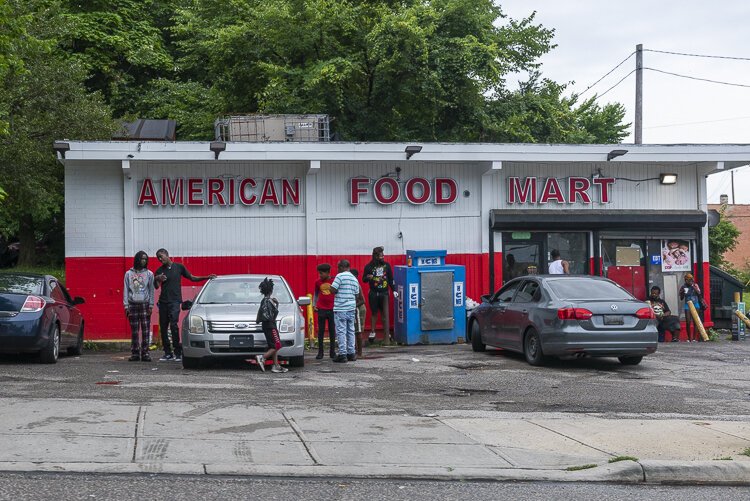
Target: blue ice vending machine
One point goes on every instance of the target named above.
(431, 304)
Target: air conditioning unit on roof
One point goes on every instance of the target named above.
(269, 128)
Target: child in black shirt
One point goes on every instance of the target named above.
(269, 309)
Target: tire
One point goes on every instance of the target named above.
(532, 348)
(297, 361)
(77, 350)
(630, 360)
(51, 352)
(191, 362)
(476, 337)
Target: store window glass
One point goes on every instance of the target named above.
(573, 248)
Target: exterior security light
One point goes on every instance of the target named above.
(217, 147)
(61, 147)
(412, 149)
(667, 178)
(615, 153)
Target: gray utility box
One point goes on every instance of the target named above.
(273, 128)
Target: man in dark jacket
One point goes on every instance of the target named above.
(168, 277)
(667, 321)
(379, 275)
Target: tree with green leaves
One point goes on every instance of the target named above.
(722, 238)
(47, 100)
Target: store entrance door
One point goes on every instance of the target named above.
(523, 254)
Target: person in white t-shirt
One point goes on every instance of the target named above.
(557, 266)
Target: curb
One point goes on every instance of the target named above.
(696, 472)
(624, 472)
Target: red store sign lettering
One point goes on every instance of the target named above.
(417, 190)
(571, 190)
(219, 191)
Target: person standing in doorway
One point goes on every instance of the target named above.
(690, 292)
(558, 266)
(345, 287)
(168, 277)
(138, 299)
(379, 275)
(323, 301)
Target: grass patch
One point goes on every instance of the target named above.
(90, 346)
(713, 335)
(56, 271)
(580, 467)
(746, 452)
(623, 458)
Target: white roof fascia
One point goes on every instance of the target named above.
(731, 154)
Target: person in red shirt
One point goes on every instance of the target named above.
(323, 304)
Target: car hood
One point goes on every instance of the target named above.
(247, 312)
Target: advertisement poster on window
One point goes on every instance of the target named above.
(675, 256)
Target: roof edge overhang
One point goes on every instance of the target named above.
(732, 155)
(594, 219)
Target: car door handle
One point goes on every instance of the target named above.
(525, 310)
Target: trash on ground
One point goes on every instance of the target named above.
(415, 360)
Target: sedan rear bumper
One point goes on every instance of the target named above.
(22, 335)
(576, 341)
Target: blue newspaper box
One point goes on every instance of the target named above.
(431, 304)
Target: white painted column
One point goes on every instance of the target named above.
(128, 192)
(311, 208)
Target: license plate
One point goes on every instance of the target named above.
(613, 320)
(240, 341)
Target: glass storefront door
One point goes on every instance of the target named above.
(528, 253)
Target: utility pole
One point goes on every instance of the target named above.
(639, 94)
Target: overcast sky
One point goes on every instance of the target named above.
(592, 37)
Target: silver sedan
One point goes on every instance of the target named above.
(221, 321)
(564, 316)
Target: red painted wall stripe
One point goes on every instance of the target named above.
(99, 280)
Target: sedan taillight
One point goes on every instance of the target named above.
(645, 314)
(574, 314)
(33, 304)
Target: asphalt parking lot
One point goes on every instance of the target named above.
(700, 379)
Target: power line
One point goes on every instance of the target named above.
(697, 55)
(615, 85)
(607, 74)
(697, 78)
(697, 123)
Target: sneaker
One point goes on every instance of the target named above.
(351, 357)
(146, 358)
(371, 337)
(279, 369)
(177, 358)
(319, 355)
(167, 358)
(341, 359)
(134, 358)
(261, 362)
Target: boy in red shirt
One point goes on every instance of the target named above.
(323, 304)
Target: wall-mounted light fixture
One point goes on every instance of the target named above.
(667, 178)
(411, 150)
(217, 147)
(615, 153)
(61, 147)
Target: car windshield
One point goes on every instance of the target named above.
(20, 284)
(241, 290)
(585, 288)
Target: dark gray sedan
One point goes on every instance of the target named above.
(564, 316)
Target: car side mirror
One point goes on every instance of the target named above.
(304, 301)
(486, 298)
(186, 305)
(78, 300)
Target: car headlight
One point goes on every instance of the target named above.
(196, 325)
(287, 324)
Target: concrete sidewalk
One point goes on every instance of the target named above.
(245, 439)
